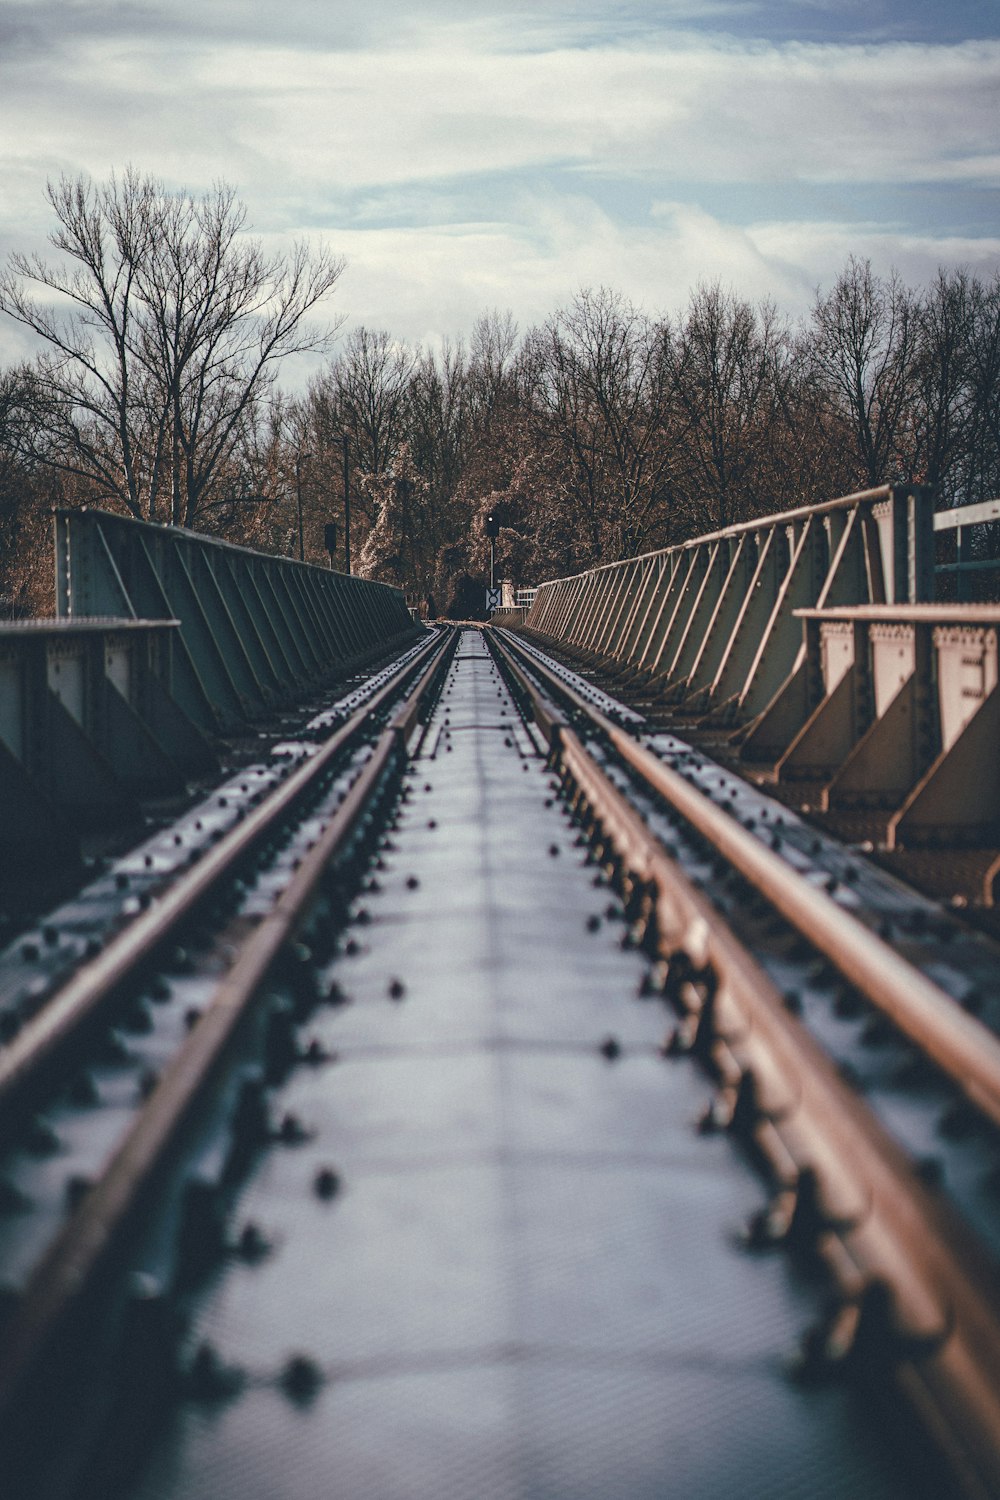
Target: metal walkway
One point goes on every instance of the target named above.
(502, 1262)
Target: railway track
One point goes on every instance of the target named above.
(847, 1179)
(135, 1039)
(360, 1145)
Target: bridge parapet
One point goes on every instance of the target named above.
(712, 622)
(256, 631)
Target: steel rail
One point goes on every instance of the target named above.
(86, 1240)
(965, 1050)
(874, 1223)
(76, 1001)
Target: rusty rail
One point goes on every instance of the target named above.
(965, 1050)
(913, 1280)
(69, 1009)
(89, 1235)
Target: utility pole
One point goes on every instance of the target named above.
(347, 507)
(300, 459)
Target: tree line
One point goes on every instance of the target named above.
(164, 327)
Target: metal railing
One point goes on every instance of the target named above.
(256, 631)
(712, 620)
(973, 573)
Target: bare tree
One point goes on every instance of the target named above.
(164, 325)
(734, 372)
(605, 386)
(493, 361)
(370, 380)
(863, 348)
(26, 495)
(941, 406)
(981, 464)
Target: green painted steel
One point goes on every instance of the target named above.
(87, 727)
(256, 632)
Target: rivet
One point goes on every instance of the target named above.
(397, 989)
(137, 1019)
(301, 1378)
(291, 1131)
(553, 850)
(326, 1183)
(593, 922)
(113, 1048)
(252, 1245)
(209, 1379)
(412, 882)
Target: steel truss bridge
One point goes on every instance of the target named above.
(559, 1059)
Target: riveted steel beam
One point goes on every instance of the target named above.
(255, 631)
(905, 718)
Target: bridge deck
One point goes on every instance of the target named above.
(528, 1282)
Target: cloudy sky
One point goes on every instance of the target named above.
(464, 156)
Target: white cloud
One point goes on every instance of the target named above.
(465, 164)
(428, 282)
